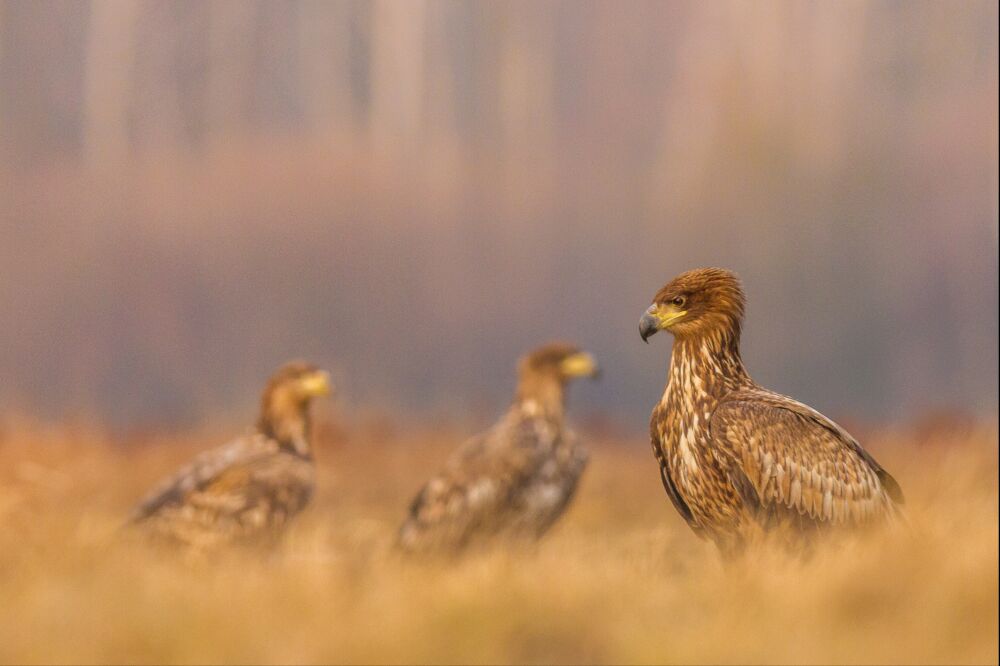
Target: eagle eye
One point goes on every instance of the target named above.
(679, 301)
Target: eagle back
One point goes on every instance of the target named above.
(516, 472)
(793, 457)
(252, 473)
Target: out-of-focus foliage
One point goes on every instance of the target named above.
(191, 192)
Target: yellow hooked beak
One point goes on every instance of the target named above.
(316, 385)
(658, 317)
(580, 364)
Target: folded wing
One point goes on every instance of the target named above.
(784, 454)
(482, 489)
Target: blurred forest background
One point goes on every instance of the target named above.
(414, 192)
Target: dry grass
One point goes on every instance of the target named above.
(620, 580)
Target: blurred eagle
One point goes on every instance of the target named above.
(736, 459)
(515, 479)
(250, 488)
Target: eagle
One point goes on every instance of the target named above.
(514, 480)
(741, 463)
(247, 490)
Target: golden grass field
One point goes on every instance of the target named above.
(620, 580)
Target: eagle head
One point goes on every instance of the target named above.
(560, 360)
(703, 301)
(285, 403)
(297, 382)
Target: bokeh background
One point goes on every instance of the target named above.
(414, 192)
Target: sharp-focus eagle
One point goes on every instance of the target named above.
(515, 479)
(250, 488)
(736, 459)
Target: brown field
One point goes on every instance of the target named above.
(620, 580)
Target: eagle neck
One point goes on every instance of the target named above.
(705, 368)
(286, 422)
(539, 394)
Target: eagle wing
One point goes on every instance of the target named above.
(222, 481)
(477, 486)
(665, 476)
(785, 454)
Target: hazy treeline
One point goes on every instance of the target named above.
(414, 191)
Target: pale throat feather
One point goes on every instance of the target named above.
(702, 371)
(540, 394)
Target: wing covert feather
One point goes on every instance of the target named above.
(797, 458)
(478, 482)
(205, 469)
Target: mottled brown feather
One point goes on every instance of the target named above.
(740, 459)
(245, 490)
(512, 481)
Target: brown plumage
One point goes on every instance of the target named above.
(251, 487)
(736, 459)
(515, 479)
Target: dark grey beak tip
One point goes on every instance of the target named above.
(648, 326)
